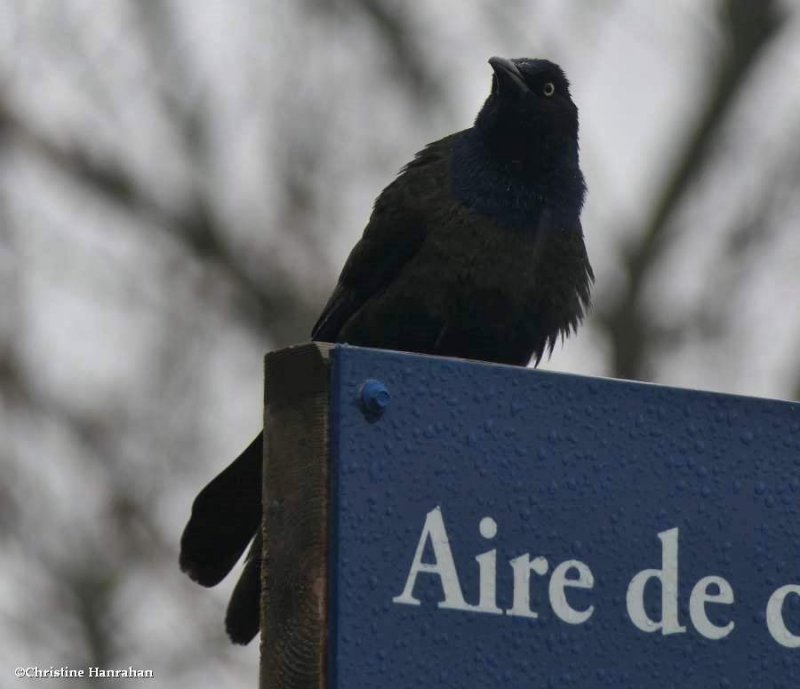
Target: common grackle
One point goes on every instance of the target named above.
(475, 250)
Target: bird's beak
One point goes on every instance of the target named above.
(508, 75)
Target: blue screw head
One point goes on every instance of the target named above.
(374, 398)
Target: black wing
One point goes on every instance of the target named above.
(396, 230)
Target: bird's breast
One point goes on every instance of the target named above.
(488, 273)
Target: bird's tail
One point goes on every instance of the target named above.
(225, 516)
(242, 620)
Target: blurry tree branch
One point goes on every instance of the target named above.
(160, 33)
(748, 28)
(274, 297)
(746, 240)
(398, 33)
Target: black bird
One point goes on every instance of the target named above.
(475, 250)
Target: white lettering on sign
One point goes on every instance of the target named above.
(523, 566)
(667, 577)
(558, 596)
(775, 622)
(526, 571)
(697, 606)
(434, 532)
(487, 564)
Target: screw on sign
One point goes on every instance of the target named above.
(374, 398)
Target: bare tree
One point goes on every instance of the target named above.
(179, 184)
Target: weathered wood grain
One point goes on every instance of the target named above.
(295, 522)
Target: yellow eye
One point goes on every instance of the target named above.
(549, 89)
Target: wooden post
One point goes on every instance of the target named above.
(294, 572)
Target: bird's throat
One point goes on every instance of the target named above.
(511, 184)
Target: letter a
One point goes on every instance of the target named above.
(443, 567)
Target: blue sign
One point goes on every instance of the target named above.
(504, 527)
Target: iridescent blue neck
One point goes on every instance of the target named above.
(511, 191)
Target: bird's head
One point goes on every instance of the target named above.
(529, 112)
